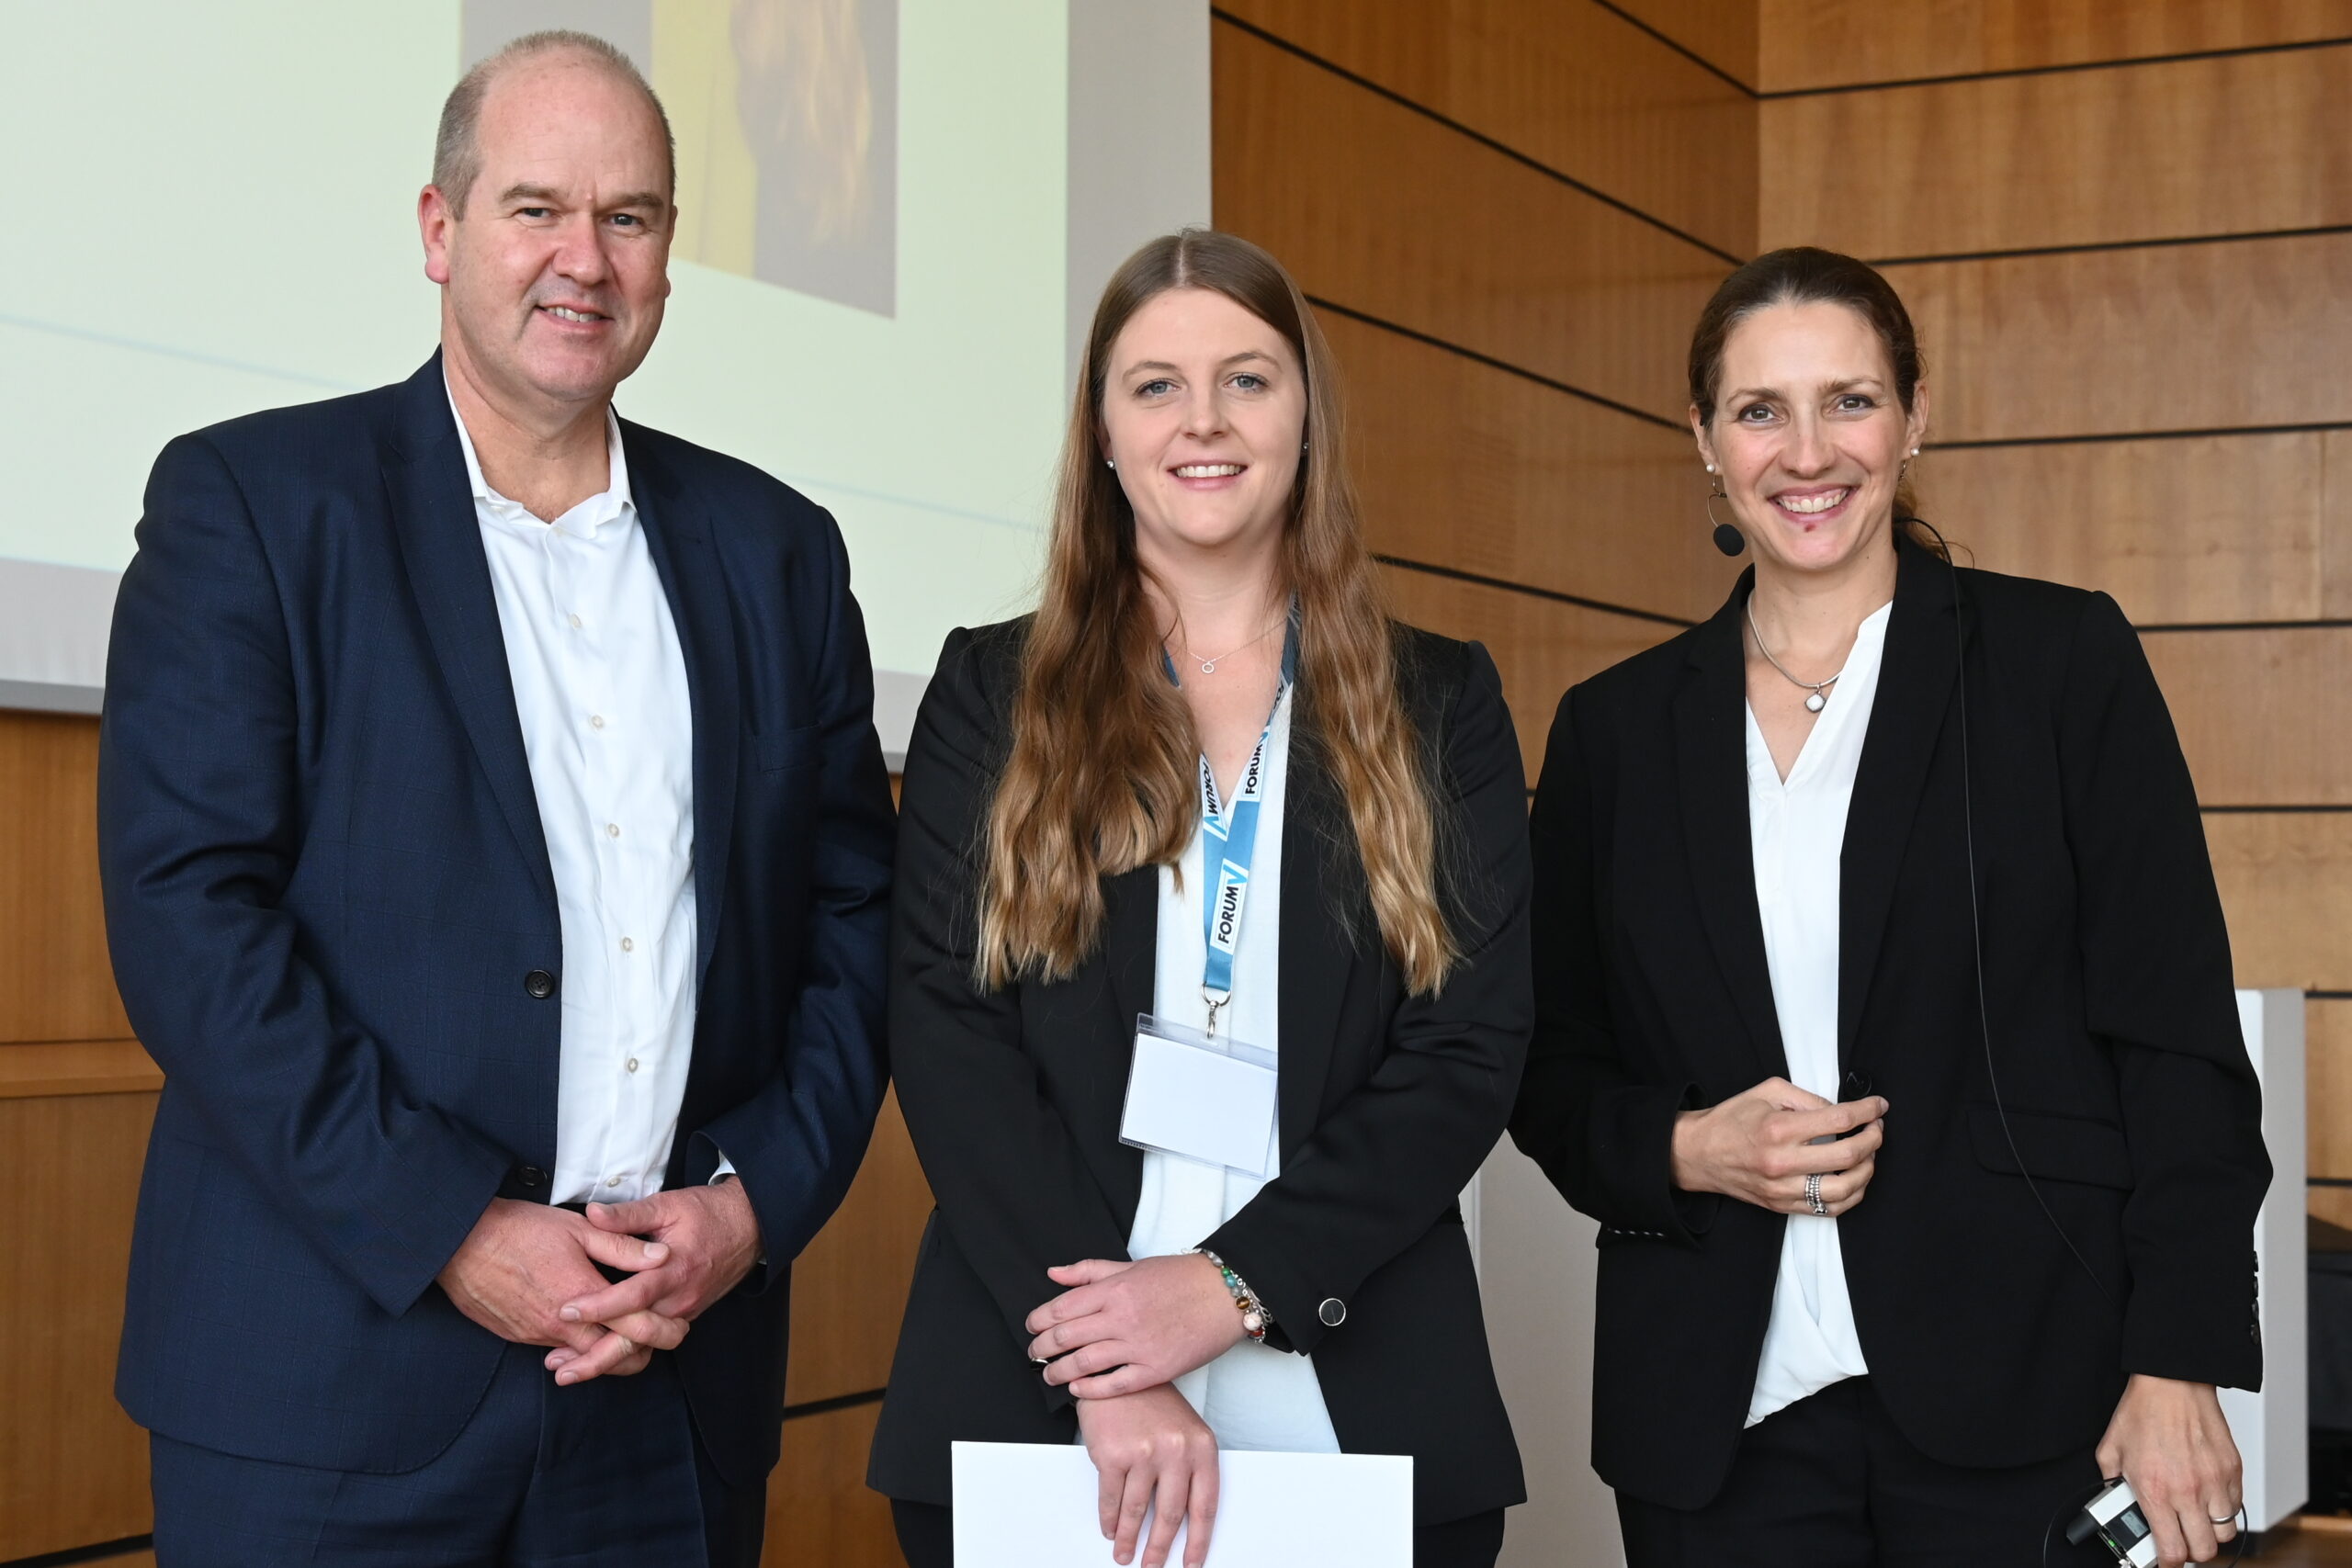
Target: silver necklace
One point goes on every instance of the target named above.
(1208, 666)
(1816, 696)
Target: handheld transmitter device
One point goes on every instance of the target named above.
(2113, 1519)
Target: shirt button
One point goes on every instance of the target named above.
(627, 945)
(597, 721)
(612, 830)
(611, 1181)
(632, 1064)
(575, 621)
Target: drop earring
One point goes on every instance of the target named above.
(1728, 539)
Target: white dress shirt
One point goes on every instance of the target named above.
(1798, 829)
(1251, 1397)
(600, 687)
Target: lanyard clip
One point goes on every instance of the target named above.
(1215, 1004)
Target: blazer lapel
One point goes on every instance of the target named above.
(1914, 686)
(440, 543)
(677, 535)
(1711, 765)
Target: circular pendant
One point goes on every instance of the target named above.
(1816, 703)
(1208, 666)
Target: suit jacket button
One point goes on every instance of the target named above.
(530, 1176)
(1332, 1312)
(539, 983)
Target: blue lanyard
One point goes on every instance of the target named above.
(1229, 831)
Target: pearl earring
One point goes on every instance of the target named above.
(1110, 464)
(1711, 468)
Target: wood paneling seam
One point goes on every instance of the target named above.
(2161, 242)
(1685, 50)
(1488, 360)
(1979, 443)
(97, 1553)
(2069, 68)
(815, 1407)
(1480, 137)
(2169, 627)
(1555, 595)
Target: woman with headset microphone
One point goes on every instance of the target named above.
(1884, 1016)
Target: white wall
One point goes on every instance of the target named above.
(1535, 1267)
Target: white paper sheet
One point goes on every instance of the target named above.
(1215, 1109)
(1032, 1505)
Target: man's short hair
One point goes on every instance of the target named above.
(456, 149)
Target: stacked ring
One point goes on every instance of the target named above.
(1812, 1196)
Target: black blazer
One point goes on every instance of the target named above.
(333, 922)
(1387, 1102)
(2107, 977)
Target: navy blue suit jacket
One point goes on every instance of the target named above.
(327, 890)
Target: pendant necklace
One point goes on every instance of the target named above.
(1208, 666)
(1816, 696)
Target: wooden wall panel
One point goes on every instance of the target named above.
(1389, 213)
(2226, 528)
(73, 1468)
(1540, 646)
(2335, 525)
(819, 1511)
(2174, 338)
(55, 980)
(850, 1287)
(1820, 43)
(2264, 714)
(1466, 466)
(2231, 144)
(1723, 33)
(1575, 86)
(2328, 1056)
(2286, 883)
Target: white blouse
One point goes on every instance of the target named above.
(1251, 1397)
(1798, 830)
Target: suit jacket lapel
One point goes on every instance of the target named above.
(685, 556)
(1915, 687)
(440, 543)
(1711, 765)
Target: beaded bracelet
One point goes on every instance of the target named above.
(1255, 1319)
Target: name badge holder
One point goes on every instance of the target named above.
(1203, 1094)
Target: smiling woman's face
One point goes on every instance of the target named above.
(1809, 435)
(1204, 410)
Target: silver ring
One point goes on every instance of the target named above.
(2224, 1519)
(1812, 1196)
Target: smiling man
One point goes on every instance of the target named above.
(496, 848)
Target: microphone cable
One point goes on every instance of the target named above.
(1976, 916)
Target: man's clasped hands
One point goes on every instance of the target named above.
(529, 1274)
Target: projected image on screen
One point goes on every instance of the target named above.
(786, 118)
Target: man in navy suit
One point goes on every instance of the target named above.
(496, 849)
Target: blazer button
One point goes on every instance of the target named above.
(539, 983)
(1333, 1312)
(530, 1176)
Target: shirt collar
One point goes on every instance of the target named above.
(611, 505)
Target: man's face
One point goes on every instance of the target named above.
(555, 272)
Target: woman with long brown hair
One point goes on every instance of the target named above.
(1207, 813)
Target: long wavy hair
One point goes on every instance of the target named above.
(1103, 775)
